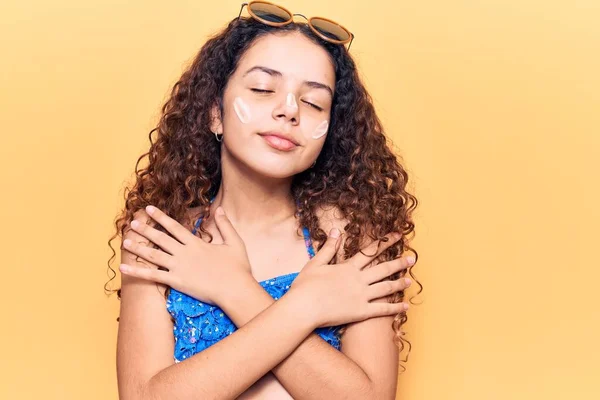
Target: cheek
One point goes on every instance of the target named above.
(249, 113)
(242, 110)
(320, 130)
(312, 146)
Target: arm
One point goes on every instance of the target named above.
(139, 370)
(241, 356)
(315, 370)
(145, 345)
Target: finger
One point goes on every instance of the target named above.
(157, 237)
(340, 253)
(385, 269)
(149, 274)
(374, 249)
(329, 249)
(228, 232)
(155, 256)
(173, 227)
(387, 288)
(129, 233)
(385, 309)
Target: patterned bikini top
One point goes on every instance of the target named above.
(199, 325)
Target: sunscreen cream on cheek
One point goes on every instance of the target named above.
(242, 110)
(321, 130)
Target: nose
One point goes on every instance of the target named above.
(287, 109)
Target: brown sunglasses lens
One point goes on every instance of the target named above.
(330, 29)
(269, 12)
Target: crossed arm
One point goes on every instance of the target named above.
(303, 363)
(366, 368)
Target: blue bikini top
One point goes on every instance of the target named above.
(198, 325)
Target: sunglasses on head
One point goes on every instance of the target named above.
(274, 15)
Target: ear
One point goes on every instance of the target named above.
(216, 124)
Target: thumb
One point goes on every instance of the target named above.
(329, 249)
(228, 232)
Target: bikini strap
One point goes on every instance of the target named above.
(308, 242)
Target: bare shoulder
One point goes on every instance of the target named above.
(145, 342)
(330, 216)
(132, 259)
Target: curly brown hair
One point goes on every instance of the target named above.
(356, 171)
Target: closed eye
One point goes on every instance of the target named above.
(261, 90)
(264, 91)
(314, 106)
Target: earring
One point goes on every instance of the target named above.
(217, 136)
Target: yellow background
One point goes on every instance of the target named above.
(494, 104)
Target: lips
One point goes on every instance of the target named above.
(279, 141)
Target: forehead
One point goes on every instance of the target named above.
(292, 54)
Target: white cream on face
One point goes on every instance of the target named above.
(290, 101)
(321, 130)
(242, 110)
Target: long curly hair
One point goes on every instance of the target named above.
(356, 171)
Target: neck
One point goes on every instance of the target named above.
(251, 200)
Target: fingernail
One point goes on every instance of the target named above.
(405, 306)
(220, 211)
(150, 209)
(126, 242)
(135, 224)
(407, 282)
(123, 268)
(410, 260)
(334, 233)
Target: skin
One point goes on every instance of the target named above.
(266, 96)
(321, 130)
(255, 195)
(242, 110)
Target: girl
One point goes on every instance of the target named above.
(271, 217)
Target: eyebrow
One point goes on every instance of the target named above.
(272, 72)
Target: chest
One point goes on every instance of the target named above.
(271, 256)
(279, 252)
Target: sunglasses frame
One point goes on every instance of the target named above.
(291, 20)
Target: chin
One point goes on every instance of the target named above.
(275, 166)
(276, 170)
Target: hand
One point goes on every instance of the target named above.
(194, 267)
(343, 293)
